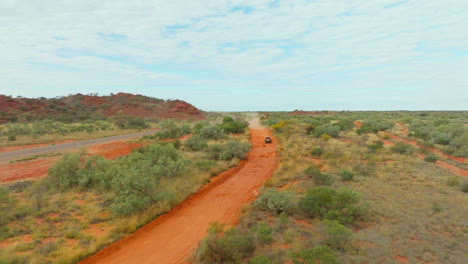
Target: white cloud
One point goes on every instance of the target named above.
(296, 48)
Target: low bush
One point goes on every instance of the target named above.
(196, 143)
(332, 130)
(336, 235)
(261, 259)
(402, 148)
(263, 234)
(343, 206)
(318, 177)
(232, 149)
(320, 254)
(365, 168)
(231, 126)
(211, 132)
(230, 247)
(430, 158)
(346, 175)
(275, 201)
(374, 126)
(464, 186)
(316, 152)
(453, 181)
(378, 144)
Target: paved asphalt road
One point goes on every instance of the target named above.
(13, 155)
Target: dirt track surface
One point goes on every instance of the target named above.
(13, 155)
(172, 237)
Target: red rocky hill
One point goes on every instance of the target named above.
(79, 107)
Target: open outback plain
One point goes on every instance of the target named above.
(201, 187)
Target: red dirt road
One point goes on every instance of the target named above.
(172, 237)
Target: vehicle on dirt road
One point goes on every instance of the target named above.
(268, 139)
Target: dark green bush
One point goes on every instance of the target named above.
(430, 158)
(211, 132)
(374, 126)
(378, 144)
(275, 201)
(336, 235)
(346, 175)
(345, 124)
(230, 247)
(316, 152)
(343, 206)
(232, 126)
(329, 129)
(318, 177)
(261, 259)
(464, 186)
(320, 254)
(196, 143)
(263, 234)
(228, 151)
(402, 148)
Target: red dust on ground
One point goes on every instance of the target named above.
(401, 259)
(26, 170)
(114, 149)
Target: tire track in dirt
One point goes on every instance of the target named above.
(172, 237)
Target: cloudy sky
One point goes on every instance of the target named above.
(241, 55)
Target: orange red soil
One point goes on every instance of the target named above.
(38, 168)
(114, 149)
(172, 237)
(26, 170)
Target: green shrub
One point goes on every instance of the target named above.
(343, 206)
(263, 234)
(318, 177)
(336, 235)
(228, 151)
(211, 132)
(316, 152)
(464, 186)
(402, 148)
(230, 247)
(232, 126)
(328, 129)
(430, 158)
(378, 144)
(261, 259)
(345, 124)
(364, 168)
(453, 181)
(65, 171)
(346, 175)
(196, 143)
(374, 126)
(320, 254)
(11, 137)
(275, 201)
